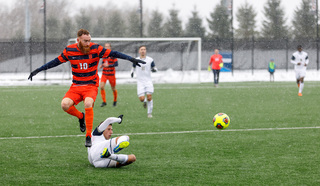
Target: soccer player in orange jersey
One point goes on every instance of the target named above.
(84, 58)
(108, 73)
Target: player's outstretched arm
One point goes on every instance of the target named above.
(120, 55)
(46, 66)
(109, 121)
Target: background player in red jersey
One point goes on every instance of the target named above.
(215, 62)
(84, 58)
(108, 73)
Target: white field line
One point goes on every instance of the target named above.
(174, 132)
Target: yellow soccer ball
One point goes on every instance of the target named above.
(221, 121)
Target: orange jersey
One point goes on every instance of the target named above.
(84, 66)
(215, 61)
(111, 70)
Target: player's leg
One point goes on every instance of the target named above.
(301, 86)
(113, 146)
(141, 94)
(270, 76)
(121, 143)
(70, 99)
(298, 78)
(88, 107)
(89, 94)
(103, 91)
(150, 104)
(112, 82)
(214, 76)
(149, 91)
(117, 144)
(218, 72)
(131, 158)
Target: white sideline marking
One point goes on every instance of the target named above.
(174, 132)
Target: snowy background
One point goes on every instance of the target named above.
(161, 77)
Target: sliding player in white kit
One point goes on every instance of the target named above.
(102, 152)
(144, 81)
(300, 60)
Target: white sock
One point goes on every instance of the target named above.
(107, 122)
(121, 158)
(122, 139)
(145, 99)
(150, 106)
(301, 87)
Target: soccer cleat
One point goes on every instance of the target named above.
(121, 146)
(105, 153)
(144, 104)
(82, 123)
(121, 116)
(88, 142)
(299, 94)
(114, 103)
(103, 104)
(149, 115)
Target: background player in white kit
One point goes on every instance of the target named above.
(300, 60)
(144, 81)
(102, 152)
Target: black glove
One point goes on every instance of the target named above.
(137, 61)
(131, 74)
(154, 69)
(121, 116)
(33, 73)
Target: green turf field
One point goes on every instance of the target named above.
(273, 137)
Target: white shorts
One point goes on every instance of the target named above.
(300, 74)
(144, 88)
(95, 151)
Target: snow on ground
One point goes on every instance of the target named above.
(168, 76)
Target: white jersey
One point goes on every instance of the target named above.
(144, 72)
(300, 57)
(99, 143)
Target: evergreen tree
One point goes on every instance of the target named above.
(247, 23)
(220, 22)
(100, 27)
(304, 21)
(173, 27)
(53, 29)
(67, 29)
(115, 26)
(155, 25)
(133, 24)
(274, 26)
(83, 20)
(194, 26)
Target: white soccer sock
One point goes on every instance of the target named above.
(145, 99)
(301, 87)
(122, 139)
(150, 106)
(107, 122)
(121, 158)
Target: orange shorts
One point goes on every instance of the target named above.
(112, 80)
(79, 93)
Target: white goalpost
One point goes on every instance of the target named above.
(181, 54)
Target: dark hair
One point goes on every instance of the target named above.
(142, 46)
(83, 32)
(299, 47)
